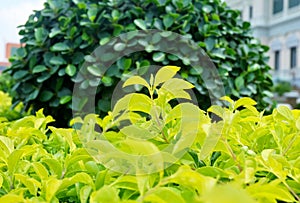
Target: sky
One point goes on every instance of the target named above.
(12, 14)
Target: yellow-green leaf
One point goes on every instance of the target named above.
(213, 136)
(164, 195)
(164, 74)
(31, 184)
(244, 102)
(136, 80)
(106, 194)
(285, 112)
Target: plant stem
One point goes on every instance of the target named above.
(292, 191)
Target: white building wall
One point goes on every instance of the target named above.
(2, 51)
(14, 13)
(279, 31)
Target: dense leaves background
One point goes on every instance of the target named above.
(61, 36)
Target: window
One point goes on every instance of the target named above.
(293, 3)
(293, 57)
(250, 12)
(277, 6)
(277, 60)
(11, 49)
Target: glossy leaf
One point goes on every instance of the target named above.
(164, 74)
(39, 68)
(71, 70)
(104, 195)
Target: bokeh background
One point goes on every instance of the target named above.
(13, 13)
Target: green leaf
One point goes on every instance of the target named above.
(40, 34)
(298, 123)
(213, 136)
(60, 47)
(124, 63)
(168, 21)
(104, 40)
(54, 166)
(210, 43)
(164, 195)
(285, 112)
(100, 179)
(229, 100)
(6, 145)
(272, 192)
(13, 161)
(185, 176)
(136, 132)
(107, 81)
(57, 60)
(71, 70)
(144, 152)
(39, 68)
(207, 8)
(239, 82)
(65, 99)
(94, 70)
(54, 31)
(77, 178)
(176, 84)
(46, 95)
(244, 102)
(104, 195)
(85, 192)
(92, 13)
(212, 172)
(21, 52)
(20, 74)
(51, 186)
(31, 184)
(218, 110)
(45, 76)
(140, 23)
(40, 170)
(159, 56)
(133, 102)
(126, 182)
(119, 46)
(1, 181)
(115, 14)
(136, 80)
(228, 193)
(10, 198)
(90, 59)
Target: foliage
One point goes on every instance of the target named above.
(6, 109)
(6, 82)
(244, 157)
(282, 87)
(60, 37)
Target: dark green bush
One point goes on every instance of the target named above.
(60, 36)
(282, 87)
(6, 82)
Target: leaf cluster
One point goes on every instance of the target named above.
(244, 157)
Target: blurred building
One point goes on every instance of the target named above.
(277, 24)
(6, 52)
